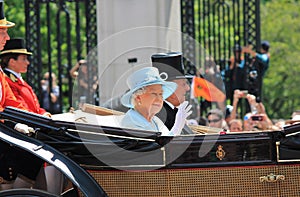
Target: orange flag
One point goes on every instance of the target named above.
(207, 90)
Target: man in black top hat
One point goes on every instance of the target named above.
(171, 68)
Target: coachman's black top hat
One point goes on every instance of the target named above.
(15, 46)
(3, 22)
(170, 65)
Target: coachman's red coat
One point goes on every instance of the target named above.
(24, 93)
(7, 97)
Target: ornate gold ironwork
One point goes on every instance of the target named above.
(271, 178)
(220, 153)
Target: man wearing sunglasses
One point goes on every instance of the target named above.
(215, 118)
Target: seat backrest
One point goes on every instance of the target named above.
(89, 118)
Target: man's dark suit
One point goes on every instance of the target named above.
(167, 115)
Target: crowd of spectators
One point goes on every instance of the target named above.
(256, 119)
(243, 84)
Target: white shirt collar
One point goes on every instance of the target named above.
(170, 104)
(15, 73)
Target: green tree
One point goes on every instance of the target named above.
(280, 26)
(14, 11)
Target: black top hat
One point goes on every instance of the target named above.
(170, 65)
(3, 22)
(16, 46)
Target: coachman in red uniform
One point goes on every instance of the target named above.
(14, 62)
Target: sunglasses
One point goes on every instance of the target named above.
(214, 120)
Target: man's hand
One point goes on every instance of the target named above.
(184, 110)
(248, 49)
(23, 128)
(251, 99)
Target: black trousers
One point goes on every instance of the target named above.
(14, 161)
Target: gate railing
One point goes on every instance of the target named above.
(57, 42)
(218, 26)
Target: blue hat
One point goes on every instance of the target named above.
(145, 77)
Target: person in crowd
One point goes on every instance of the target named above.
(259, 122)
(50, 99)
(235, 125)
(145, 99)
(237, 95)
(228, 111)
(247, 123)
(257, 119)
(87, 83)
(14, 62)
(258, 68)
(15, 168)
(215, 118)
(234, 74)
(262, 58)
(74, 72)
(171, 67)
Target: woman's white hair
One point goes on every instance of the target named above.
(137, 93)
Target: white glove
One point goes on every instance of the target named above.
(184, 110)
(23, 128)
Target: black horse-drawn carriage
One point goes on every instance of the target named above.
(103, 160)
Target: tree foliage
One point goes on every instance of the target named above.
(279, 25)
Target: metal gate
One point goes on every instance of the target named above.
(49, 32)
(219, 25)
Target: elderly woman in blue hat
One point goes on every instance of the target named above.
(145, 99)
